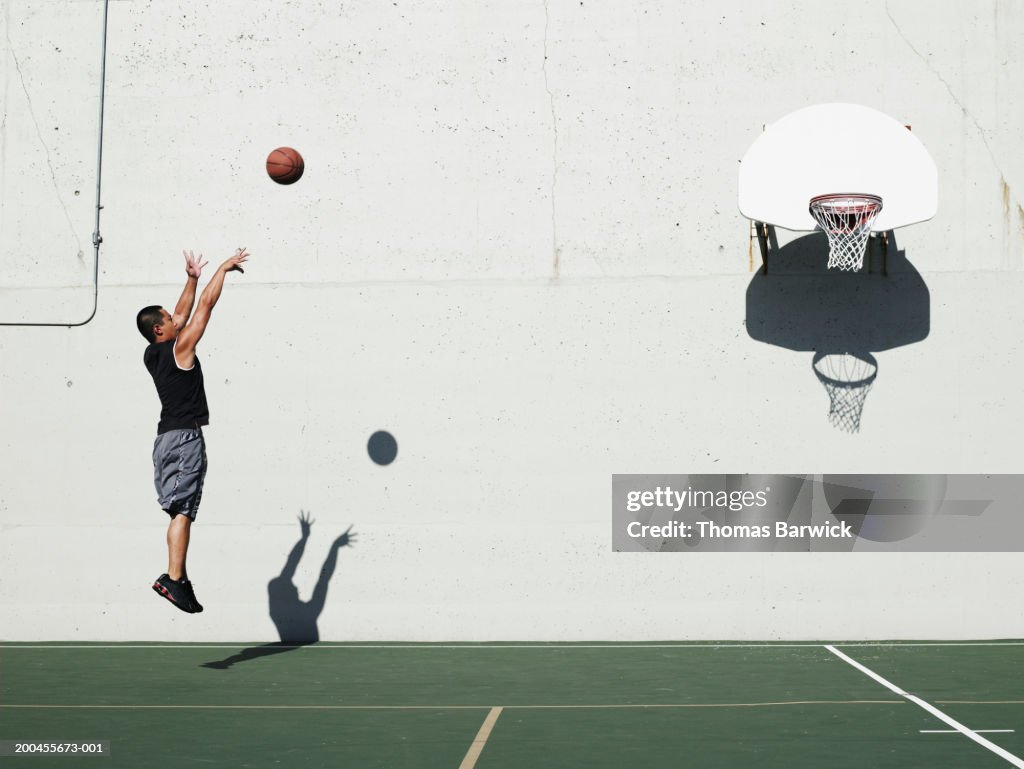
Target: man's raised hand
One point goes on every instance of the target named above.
(193, 266)
(235, 262)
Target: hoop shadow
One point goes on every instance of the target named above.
(295, 619)
(803, 306)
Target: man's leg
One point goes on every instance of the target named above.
(177, 546)
(179, 459)
(174, 585)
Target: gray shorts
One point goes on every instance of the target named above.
(179, 469)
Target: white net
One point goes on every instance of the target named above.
(847, 379)
(847, 220)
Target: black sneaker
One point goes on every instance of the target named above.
(186, 585)
(175, 592)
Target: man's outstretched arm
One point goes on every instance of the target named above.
(305, 522)
(183, 309)
(316, 603)
(188, 338)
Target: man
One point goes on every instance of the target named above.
(179, 452)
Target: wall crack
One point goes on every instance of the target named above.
(949, 89)
(46, 149)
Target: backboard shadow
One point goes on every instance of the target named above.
(801, 305)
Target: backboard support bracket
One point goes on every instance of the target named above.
(883, 239)
(766, 241)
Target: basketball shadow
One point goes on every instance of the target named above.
(295, 619)
(802, 305)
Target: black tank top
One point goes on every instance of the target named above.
(181, 391)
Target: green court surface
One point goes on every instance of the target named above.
(933, 705)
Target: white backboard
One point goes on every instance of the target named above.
(837, 148)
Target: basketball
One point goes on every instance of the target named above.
(285, 166)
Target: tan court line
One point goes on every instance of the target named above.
(980, 702)
(480, 740)
(625, 706)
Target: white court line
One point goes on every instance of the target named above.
(1004, 754)
(480, 740)
(552, 645)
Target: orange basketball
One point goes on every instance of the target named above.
(285, 166)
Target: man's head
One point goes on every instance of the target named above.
(156, 324)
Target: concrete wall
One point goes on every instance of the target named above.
(516, 247)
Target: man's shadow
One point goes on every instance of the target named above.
(294, 618)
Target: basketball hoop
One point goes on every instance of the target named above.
(847, 379)
(846, 218)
